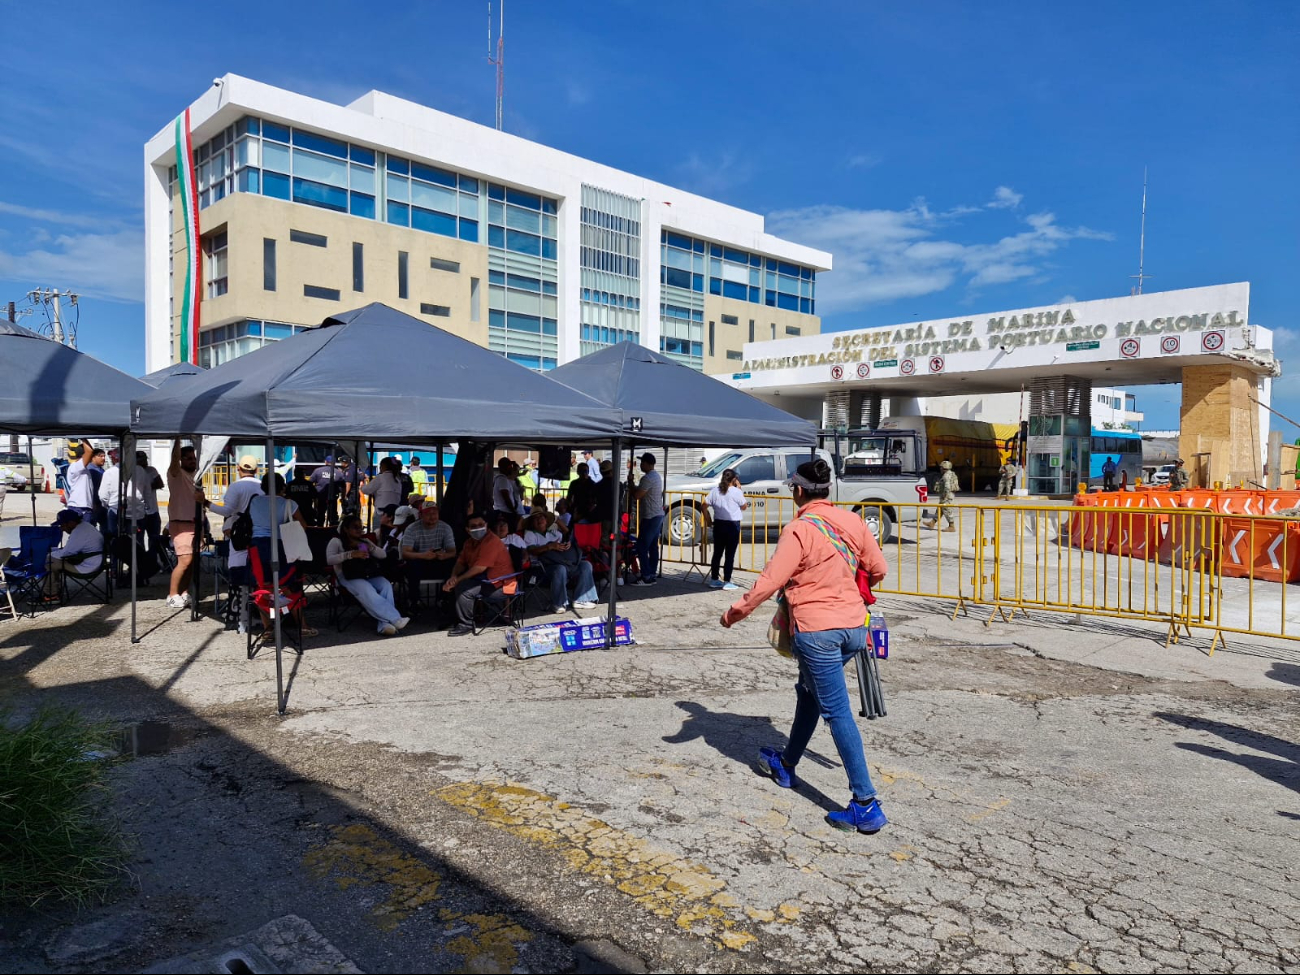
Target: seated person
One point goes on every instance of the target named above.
(81, 556)
(483, 569)
(513, 541)
(357, 563)
(562, 516)
(259, 510)
(562, 562)
(428, 546)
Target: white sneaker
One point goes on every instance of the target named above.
(401, 624)
(728, 586)
(175, 602)
(559, 609)
(585, 605)
(387, 629)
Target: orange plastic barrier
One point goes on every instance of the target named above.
(1186, 539)
(1266, 550)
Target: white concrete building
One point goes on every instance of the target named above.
(307, 208)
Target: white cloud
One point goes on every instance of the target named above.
(864, 160)
(1005, 198)
(1066, 300)
(883, 255)
(713, 177)
(51, 216)
(577, 93)
(97, 265)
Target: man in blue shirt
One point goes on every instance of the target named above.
(1108, 474)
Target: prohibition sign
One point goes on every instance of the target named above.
(907, 367)
(1130, 348)
(1169, 344)
(864, 370)
(837, 372)
(1212, 341)
(936, 363)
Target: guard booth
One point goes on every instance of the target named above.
(1059, 447)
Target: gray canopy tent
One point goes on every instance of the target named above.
(50, 388)
(166, 374)
(372, 374)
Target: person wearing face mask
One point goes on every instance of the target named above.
(479, 571)
(815, 562)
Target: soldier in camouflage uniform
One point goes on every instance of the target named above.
(947, 491)
(1006, 479)
(1178, 477)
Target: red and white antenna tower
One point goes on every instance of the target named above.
(499, 60)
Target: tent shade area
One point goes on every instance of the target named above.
(49, 388)
(379, 375)
(665, 403)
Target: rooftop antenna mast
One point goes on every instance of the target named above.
(499, 60)
(1142, 239)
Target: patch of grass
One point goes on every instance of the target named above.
(58, 840)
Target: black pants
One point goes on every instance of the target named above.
(468, 592)
(417, 570)
(726, 536)
(1108, 482)
(327, 507)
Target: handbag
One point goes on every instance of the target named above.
(293, 538)
(361, 569)
(778, 631)
(241, 532)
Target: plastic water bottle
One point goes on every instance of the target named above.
(879, 634)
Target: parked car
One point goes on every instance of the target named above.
(12, 478)
(1161, 476)
(881, 498)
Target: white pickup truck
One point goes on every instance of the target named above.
(883, 499)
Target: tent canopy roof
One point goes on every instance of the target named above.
(665, 403)
(375, 374)
(167, 373)
(46, 387)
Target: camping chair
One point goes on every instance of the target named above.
(98, 582)
(26, 572)
(344, 610)
(288, 602)
(5, 554)
(594, 547)
(505, 605)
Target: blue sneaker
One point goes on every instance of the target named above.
(770, 764)
(865, 817)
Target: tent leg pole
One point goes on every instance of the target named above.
(200, 519)
(370, 501)
(613, 549)
(277, 610)
(31, 475)
(437, 488)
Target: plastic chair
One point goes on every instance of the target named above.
(261, 595)
(5, 555)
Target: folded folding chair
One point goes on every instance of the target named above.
(5, 555)
(262, 596)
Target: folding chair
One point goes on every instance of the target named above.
(344, 609)
(26, 572)
(505, 605)
(98, 582)
(591, 544)
(5, 554)
(288, 602)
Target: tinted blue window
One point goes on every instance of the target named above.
(496, 277)
(254, 328)
(755, 261)
(272, 130)
(250, 125)
(548, 248)
(548, 326)
(548, 364)
(396, 164)
(770, 299)
(677, 278)
(548, 205)
(248, 181)
(521, 199)
(433, 222)
(469, 184)
(273, 330)
(522, 243)
(788, 302)
(697, 283)
(497, 237)
(362, 205)
(734, 289)
(699, 247)
(469, 230)
(496, 191)
(496, 318)
(753, 296)
(677, 240)
(523, 323)
(531, 361)
(805, 273)
(318, 143)
(364, 156)
(525, 284)
(399, 214)
(784, 268)
(273, 184)
(219, 191)
(431, 175)
(548, 288)
(715, 286)
(738, 257)
(805, 306)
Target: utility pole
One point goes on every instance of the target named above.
(53, 299)
(500, 61)
(1142, 239)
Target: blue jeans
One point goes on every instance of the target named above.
(822, 692)
(647, 546)
(560, 574)
(375, 596)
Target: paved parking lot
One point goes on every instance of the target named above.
(1062, 797)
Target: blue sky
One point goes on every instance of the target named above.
(1008, 138)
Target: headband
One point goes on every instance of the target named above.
(798, 480)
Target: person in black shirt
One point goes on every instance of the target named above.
(582, 494)
(301, 492)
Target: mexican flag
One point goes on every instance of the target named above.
(187, 186)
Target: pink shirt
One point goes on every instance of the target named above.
(819, 584)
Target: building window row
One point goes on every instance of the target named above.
(226, 342)
(692, 264)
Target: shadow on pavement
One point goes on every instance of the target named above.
(1286, 673)
(1283, 770)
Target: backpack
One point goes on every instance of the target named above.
(241, 532)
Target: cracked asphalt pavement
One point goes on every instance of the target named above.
(1061, 798)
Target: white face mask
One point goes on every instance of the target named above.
(477, 533)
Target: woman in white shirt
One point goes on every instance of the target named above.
(385, 488)
(726, 502)
(357, 564)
